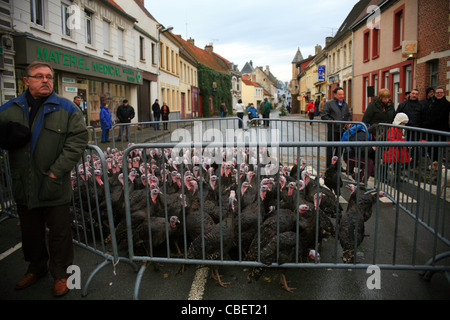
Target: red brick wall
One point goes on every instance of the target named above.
(433, 35)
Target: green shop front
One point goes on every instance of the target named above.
(94, 79)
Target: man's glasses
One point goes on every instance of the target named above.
(41, 77)
(439, 92)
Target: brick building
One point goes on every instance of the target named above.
(433, 57)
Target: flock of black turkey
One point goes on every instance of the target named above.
(189, 206)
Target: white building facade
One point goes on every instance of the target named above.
(89, 43)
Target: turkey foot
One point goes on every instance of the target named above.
(216, 276)
(284, 284)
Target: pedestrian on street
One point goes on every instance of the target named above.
(322, 103)
(105, 122)
(380, 110)
(335, 110)
(429, 97)
(50, 136)
(156, 113)
(266, 108)
(317, 104)
(311, 110)
(223, 110)
(77, 101)
(124, 113)
(165, 114)
(397, 157)
(413, 109)
(240, 108)
(437, 118)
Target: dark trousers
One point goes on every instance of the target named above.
(156, 120)
(240, 116)
(60, 254)
(266, 116)
(165, 118)
(105, 135)
(127, 132)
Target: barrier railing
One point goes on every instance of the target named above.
(213, 226)
(156, 199)
(7, 203)
(93, 211)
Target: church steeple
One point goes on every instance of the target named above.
(298, 56)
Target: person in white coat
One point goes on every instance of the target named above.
(240, 108)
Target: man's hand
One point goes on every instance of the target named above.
(51, 175)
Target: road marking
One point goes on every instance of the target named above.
(198, 285)
(11, 250)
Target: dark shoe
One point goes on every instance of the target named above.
(60, 287)
(118, 139)
(28, 279)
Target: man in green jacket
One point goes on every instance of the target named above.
(266, 108)
(41, 161)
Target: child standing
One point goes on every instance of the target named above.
(105, 122)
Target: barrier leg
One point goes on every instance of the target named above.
(428, 274)
(101, 266)
(138, 281)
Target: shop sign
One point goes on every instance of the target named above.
(68, 80)
(71, 61)
(321, 73)
(71, 89)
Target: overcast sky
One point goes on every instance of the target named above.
(268, 32)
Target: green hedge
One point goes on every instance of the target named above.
(206, 78)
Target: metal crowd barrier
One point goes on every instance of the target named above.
(93, 211)
(421, 244)
(7, 204)
(127, 216)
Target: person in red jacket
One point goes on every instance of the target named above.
(397, 156)
(311, 110)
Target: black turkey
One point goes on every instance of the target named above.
(329, 203)
(351, 223)
(217, 241)
(332, 177)
(140, 227)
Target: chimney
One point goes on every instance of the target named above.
(191, 41)
(267, 69)
(209, 47)
(328, 40)
(318, 49)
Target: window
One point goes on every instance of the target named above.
(366, 39)
(37, 12)
(375, 43)
(375, 84)
(141, 49)
(88, 26)
(434, 72)
(408, 78)
(153, 53)
(365, 95)
(398, 28)
(345, 55)
(65, 16)
(106, 42)
(338, 59)
(120, 43)
(386, 79)
(350, 52)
